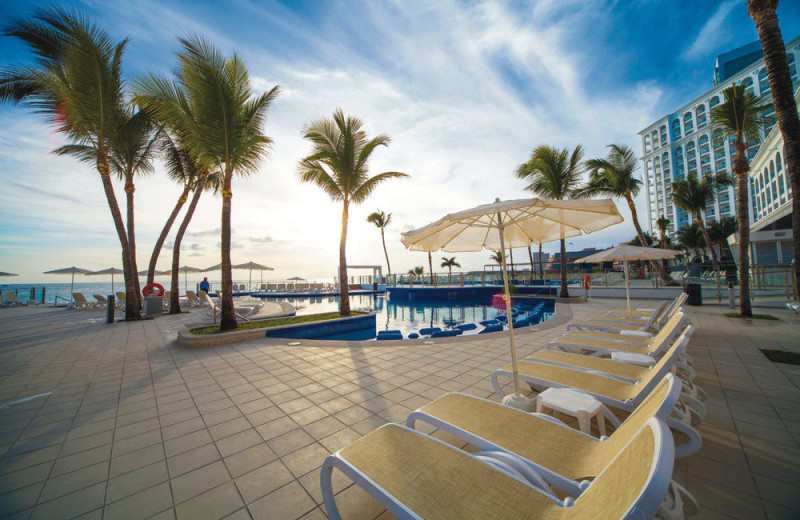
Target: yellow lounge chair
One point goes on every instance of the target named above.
(415, 476)
(611, 392)
(79, 301)
(11, 299)
(619, 324)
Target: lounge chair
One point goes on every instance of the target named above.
(611, 392)
(562, 455)
(642, 327)
(102, 301)
(121, 297)
(12, 300)
(242, 312)
(603, 344)
(79, 301)
(263, 287)
(415, 476)
(662, 312)
(194, 300)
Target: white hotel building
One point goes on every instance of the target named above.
(680, 143)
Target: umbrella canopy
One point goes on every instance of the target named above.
(185, 270)
(513, 223)
(157, 273)
(625, 254)
(3, 273)
(112, 271)
(524, 221)
(73, 271)
(253, 266)
(296, 278)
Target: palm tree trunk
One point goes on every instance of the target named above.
(714, 261)
(449, 275)
(740, 169)
(386, 254)
(564, 291)
(541, 265)
(530, 257)
(763, 14)
(665, 276)
(132, 311)
(151, 269)
(129, 189)
(174, 295)
(227, 317)
(344, 296)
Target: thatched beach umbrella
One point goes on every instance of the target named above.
(513, 223)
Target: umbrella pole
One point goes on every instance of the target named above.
(72, 289)
(515, 400)
(627, 287)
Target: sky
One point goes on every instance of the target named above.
(466, 90)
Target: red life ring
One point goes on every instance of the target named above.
(587, 282)
(148, 289)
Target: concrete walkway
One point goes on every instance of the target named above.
(117, 421)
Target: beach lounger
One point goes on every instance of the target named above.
(641, 327)
(668, 308)
(80, 302)
(415, 476)
(611, 392)
(242, 312)
(13, 301)
(194, 300)
(563, 456)
(102, 301)
(590, 342)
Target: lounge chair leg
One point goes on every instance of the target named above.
(327, 491)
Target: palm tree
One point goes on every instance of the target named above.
(554, 174)
(780, 83)
(740, 117)
(382, 221)
(663, 224)
(721, 230)
(695, 196)
(131, 154)
(691, 239)
(339, 165)
(497, 257)
(430, 266)
(213, 110)
(648, 240)
(450, 263)
(76, 83)
(182, 168)
(614, 176)
(417, 271)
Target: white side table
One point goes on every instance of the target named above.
(574, 403)
(632, 358)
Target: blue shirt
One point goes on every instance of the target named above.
(205, 286)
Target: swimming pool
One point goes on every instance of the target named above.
(411, 317)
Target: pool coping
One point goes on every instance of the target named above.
(562, 314)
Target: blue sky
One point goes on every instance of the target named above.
(465, 89)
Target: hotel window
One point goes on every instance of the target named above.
(771, 171)
(748, 85)
(647, 144)
(688, 126)
(700, 115)
(763, 82)
(663, 132)
(676, 128)
(655, 139)
(792, 68)
(775, 191)
(713, 102)
(778, 162)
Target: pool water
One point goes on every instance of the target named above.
(410, 317)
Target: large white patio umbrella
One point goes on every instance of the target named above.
(185, 270)
(625, 254)
(112, 271)
(253, 266)
(513, 223)
(73, 271)
(3, 273)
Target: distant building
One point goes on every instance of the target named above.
(679, 143)
(572, 256)
(771, 232)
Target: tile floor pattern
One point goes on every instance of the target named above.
(123, 423)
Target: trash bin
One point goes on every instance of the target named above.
(694, 293)
(152, 305)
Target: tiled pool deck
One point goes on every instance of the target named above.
(133, 426)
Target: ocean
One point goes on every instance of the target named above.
(51, 293)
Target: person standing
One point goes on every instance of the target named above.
(205, 286)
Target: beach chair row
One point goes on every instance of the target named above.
(304, 288)
(531, 465)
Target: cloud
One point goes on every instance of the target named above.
(713, 34)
